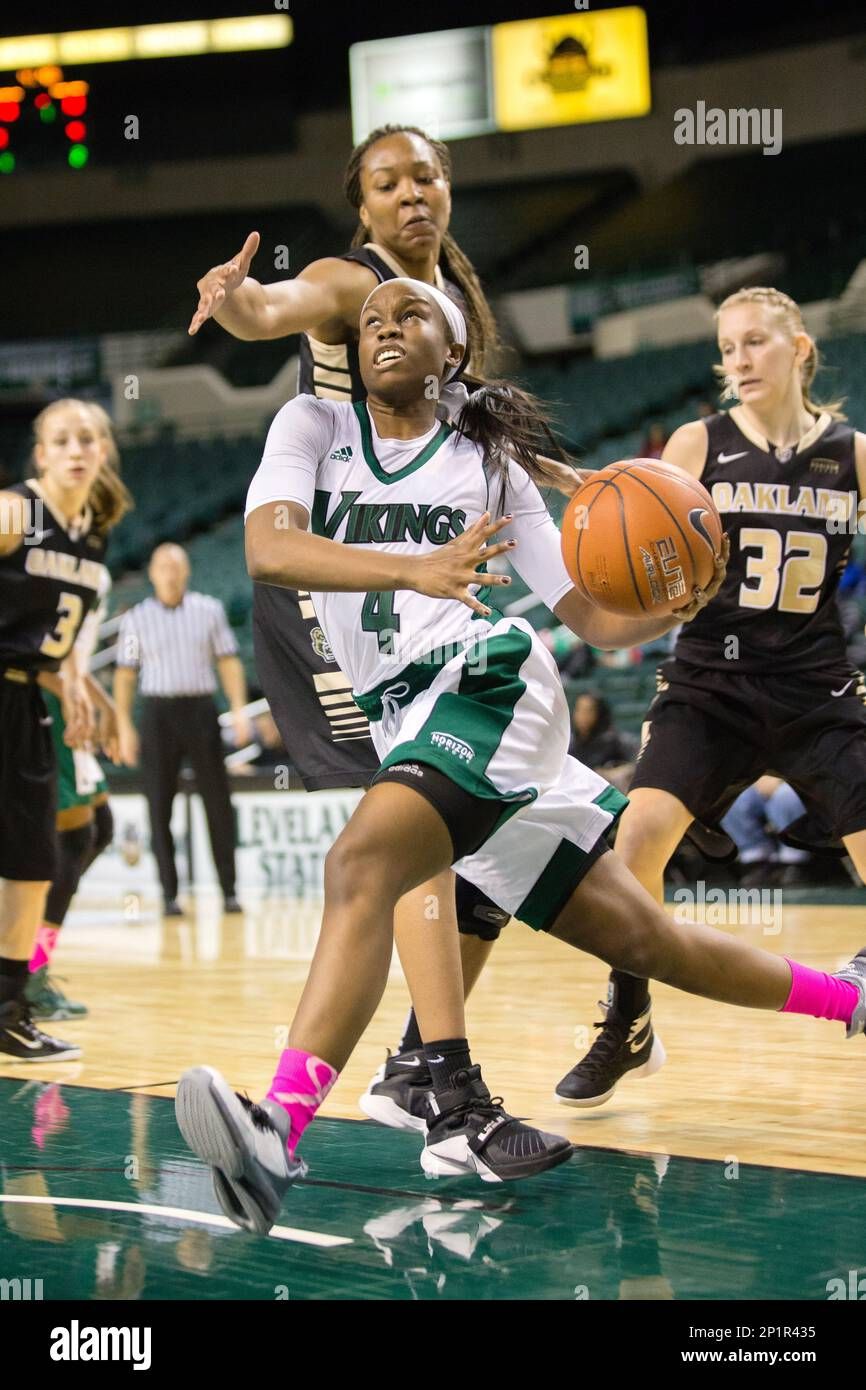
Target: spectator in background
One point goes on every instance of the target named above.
(655, 441)
(753, 823)
(596, 741)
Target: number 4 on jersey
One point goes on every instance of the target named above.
(378, 616)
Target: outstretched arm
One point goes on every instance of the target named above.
(327, 291)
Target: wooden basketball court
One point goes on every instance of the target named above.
(694, 1167)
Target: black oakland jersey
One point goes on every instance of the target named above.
(47, 586)
(790, 515)
(324, 731)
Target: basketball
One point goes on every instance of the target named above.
(639, 535)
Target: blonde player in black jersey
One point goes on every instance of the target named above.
(84, 820)
(760, 681)
(52, 544)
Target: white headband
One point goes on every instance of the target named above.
(453, 316)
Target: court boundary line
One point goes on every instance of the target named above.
(598, 1148)
(321, 1239)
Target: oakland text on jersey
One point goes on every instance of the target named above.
(58, 564)
(783, 499)
(378, 523)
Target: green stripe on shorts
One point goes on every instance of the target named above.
(566, 867)
(466, 726)
(68, 794)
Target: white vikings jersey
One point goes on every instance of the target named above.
(406, 497)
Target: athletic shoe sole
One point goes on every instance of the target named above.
(69, 1054)
(203, 1107)
(653, 1063)
(58, 1016)
(386, 1111)
(453, 1158)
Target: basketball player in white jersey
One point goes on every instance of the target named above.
(383, 513)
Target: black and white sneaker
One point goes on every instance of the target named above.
(622, 1048)
(23, 1041)
(244, 1143)
(855, 974)
(399, 1094)
(470, 1132)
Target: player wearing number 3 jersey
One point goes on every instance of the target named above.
(760, 681)
(469, 719)
(52, 544)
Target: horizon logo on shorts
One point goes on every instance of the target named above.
(449, 744)
(343, 454)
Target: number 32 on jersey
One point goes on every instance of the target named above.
(795, 574)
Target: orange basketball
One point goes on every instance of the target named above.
(638, 536)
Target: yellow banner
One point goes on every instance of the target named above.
(587, 66)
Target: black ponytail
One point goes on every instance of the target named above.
(509, 426)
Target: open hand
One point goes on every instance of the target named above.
(215, 287)
(448, 571)
(78, 713)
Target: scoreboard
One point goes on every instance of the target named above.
(44, 120)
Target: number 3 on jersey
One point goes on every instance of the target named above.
(378, 616)
(801, 572)
(58, 643)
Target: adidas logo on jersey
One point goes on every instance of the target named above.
(343, 454)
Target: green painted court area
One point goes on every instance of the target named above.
(100, 1200)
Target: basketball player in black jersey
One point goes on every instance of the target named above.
(759, 681)
(398, 180)
(52, 544)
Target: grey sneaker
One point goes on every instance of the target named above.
(244, 1143)
(855, 974)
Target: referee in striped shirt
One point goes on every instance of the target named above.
(173, 641)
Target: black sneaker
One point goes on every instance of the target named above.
(21, 1039)
(470, 1132)
(622, 1048)
(399, 1094)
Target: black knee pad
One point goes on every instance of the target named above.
(103, 822)
(477, 915)
(73, 849)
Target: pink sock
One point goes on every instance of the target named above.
(46, 940)
(820, 995)
(300, 1084)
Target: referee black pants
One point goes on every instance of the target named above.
(174, 727)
